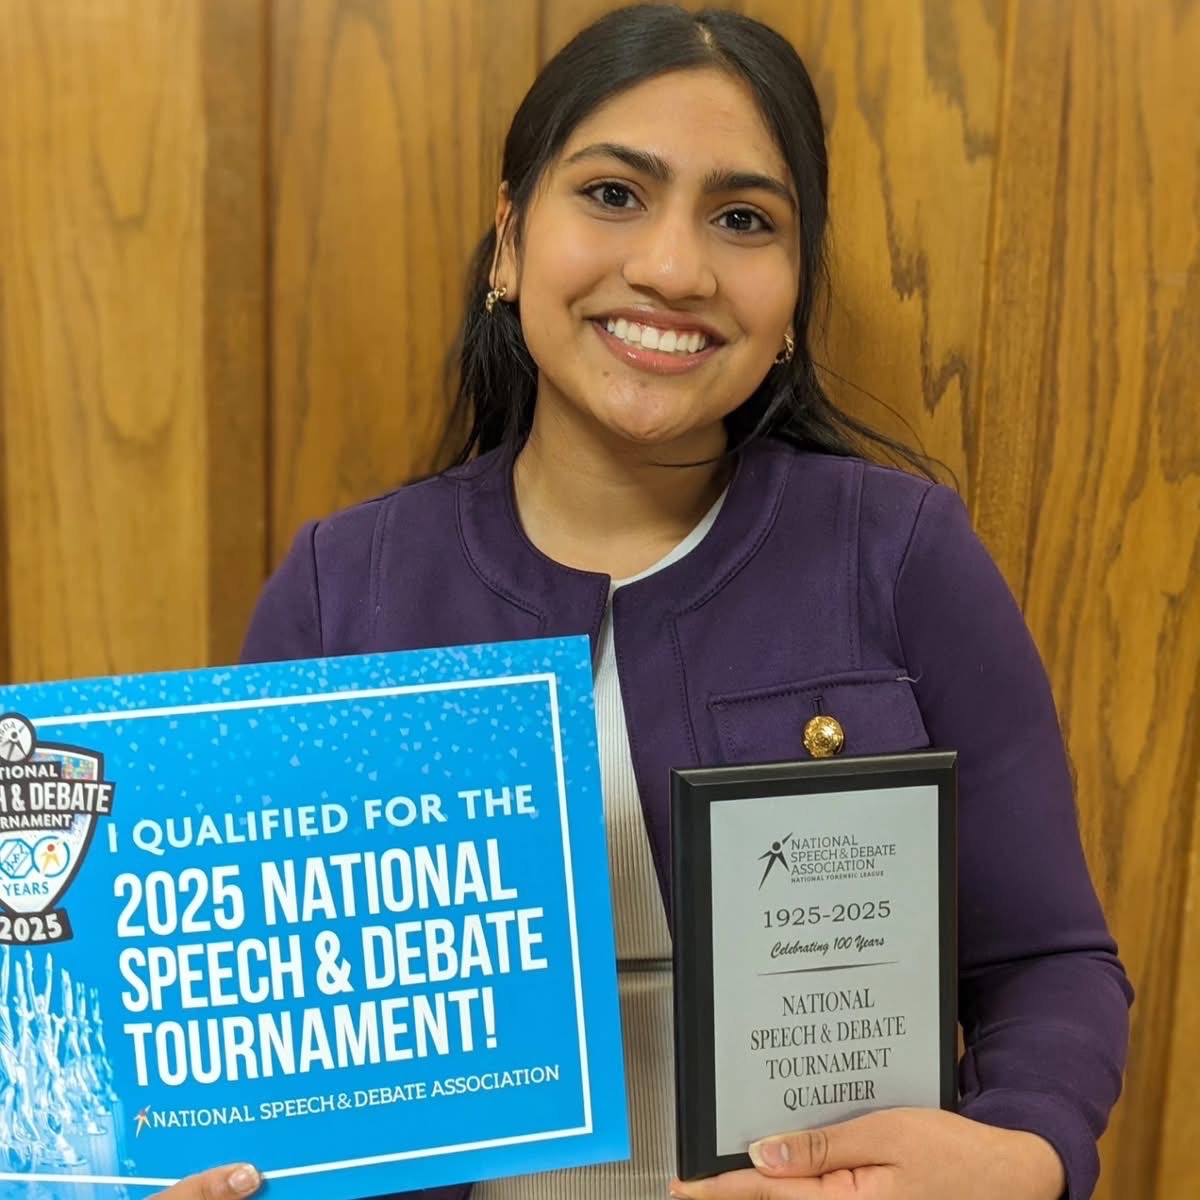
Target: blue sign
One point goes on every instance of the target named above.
(347, 919)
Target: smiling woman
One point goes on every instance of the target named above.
(643, 454)
(730, 193)
(679, 231)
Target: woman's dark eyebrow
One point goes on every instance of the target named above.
(720, 180)
(743, 181)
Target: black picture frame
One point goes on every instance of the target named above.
(693, 793)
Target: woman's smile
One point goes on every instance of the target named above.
(661, 347)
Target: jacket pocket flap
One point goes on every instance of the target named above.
(877, 711)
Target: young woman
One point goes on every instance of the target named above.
(651, 460)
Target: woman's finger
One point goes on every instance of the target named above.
(868, 1141)
(221, 1183)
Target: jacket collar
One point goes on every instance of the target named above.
(508, 562)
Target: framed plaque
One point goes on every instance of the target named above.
(815, 946)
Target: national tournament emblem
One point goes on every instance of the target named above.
(51, 797)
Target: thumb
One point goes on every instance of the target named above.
(221, 1183)
(862, 1142)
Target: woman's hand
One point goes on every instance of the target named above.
(221, 1183)
(898, 1154)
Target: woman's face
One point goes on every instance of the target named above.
(659, 264)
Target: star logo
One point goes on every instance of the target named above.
(142, 1120)
(773, 856)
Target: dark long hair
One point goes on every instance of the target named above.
(497, 377)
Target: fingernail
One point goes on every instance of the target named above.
(767, 1153)
(244, 1180)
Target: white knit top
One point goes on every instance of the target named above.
(643, 958)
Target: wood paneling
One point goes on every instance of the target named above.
(1113, 534)
(108, 240)
(1021, 297)
(562, 19)
(910, 96)
(386, 128)
(1178, 1168)
(1087, 475)
(234, 62)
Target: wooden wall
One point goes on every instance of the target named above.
(132, 350)
(231, 239)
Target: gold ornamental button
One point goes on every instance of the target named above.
(824, 737)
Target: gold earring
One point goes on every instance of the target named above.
(789, 350)
(493, 297)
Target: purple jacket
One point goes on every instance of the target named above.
(823, 580)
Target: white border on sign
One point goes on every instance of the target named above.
(341, 697)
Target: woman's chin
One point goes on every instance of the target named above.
(648, 431)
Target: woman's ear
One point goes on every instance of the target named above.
(504, 264)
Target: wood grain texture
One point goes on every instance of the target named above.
(385, 136)
(1113, 577)
(1178, 1169)
(562, 19)
(1089, 474)
(1021, 299)
(131, 251)
(102, 170)
(910, 96)
(234, 63)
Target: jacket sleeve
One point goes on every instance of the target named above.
(1044, 1000)
(286, 623)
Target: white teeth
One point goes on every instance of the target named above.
(669, 341)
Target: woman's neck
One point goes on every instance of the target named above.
(604, 506)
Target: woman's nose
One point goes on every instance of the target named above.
(670, 257)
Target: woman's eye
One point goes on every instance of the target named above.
(744, 220)
(612, 195)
